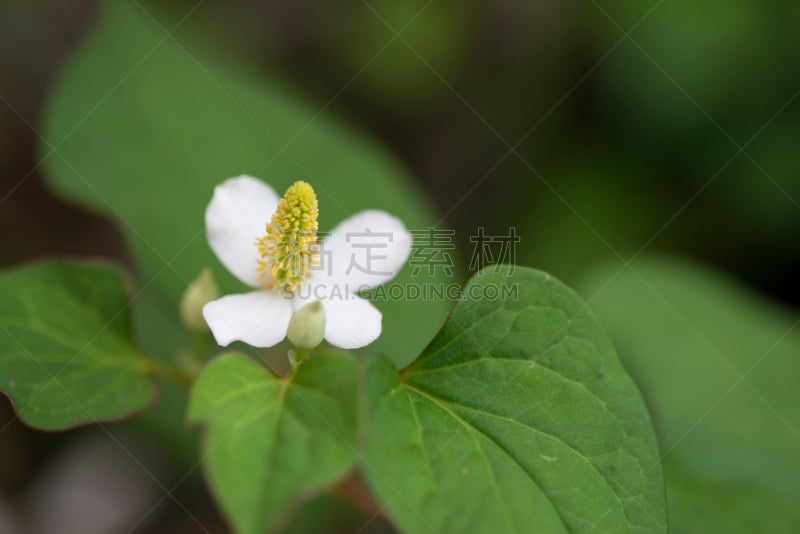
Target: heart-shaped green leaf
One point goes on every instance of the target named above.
(719, 367)
(145, 124)
(66, 355)
(271, 442)
(518, 417)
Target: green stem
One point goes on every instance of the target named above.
(167, 372)
(297, 356)
(199, 346)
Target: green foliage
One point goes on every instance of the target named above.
(66, 354)
(718, 366)
(587, 216)
(271, 441)
(518, 417)
(433, 42)
(158, 331)
(517, 414)
(684, 46)
(766, 191)
(146, 140)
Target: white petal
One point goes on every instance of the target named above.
(363, 251)
(351, 323)
(236, 216)
(259, 318)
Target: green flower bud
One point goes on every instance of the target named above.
(200, 292)
(307, 326)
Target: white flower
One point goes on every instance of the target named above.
(270, 244)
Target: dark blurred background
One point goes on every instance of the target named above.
(596, 129)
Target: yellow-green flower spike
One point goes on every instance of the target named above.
(290, 246)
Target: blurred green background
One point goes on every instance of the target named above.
(614, 136)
